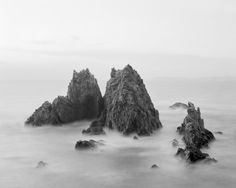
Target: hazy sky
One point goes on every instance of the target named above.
(47, 39)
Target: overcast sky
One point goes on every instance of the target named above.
(47, 39)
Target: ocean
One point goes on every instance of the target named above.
(122, 161)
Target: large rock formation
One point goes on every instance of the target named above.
(195, 136)
(83, 101)
(127, 105)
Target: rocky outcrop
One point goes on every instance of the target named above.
(195, 136)
(179, 105)
(127, 105)
(83, 101)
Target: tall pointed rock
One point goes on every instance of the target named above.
(127, 105)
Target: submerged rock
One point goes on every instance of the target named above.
(195, 136)
(179, 105)
(135, 138)
(41, 164)
(83, 101)
(127, 105)
(84, 144)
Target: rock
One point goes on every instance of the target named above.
(195, 136)
(179, 105)
(83, 101)
(45, 114)
(41, 164)
(219, 132)
(96, 128)
(84, 144)
(154, 166)
(175, 142)
(135, 138)
(191, 154)
(127, 105)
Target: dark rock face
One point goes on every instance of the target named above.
(127, 104)
(83, 101)
(85, 145)
(179, 105)
(195, 136)
(45, 114)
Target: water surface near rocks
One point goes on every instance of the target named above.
(122, 161)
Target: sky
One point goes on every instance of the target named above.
(47, 39)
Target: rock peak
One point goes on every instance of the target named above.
(128, 106)
(83, 101)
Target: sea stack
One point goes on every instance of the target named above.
(195, 136)
(83, 101)
(127, 105)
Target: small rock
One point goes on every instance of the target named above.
(175, 143)
(135, 138)
(154, 166)
(84, 144)
(95, 129)
(219, 132)
(41, 164)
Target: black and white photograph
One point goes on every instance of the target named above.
(117, 94)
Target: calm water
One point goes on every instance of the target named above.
(122, 162)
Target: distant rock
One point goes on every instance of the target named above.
(127, 105)
(85, 145)
(195, 136)
(83, 101)
(219, 132)
(41, 164)
(154, 166)
(135, 138)
(179, 105)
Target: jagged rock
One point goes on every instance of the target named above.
(127, 104)
(45, 114)
(179, 105)
(84, 144)
(83, 101)
(195, 136)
